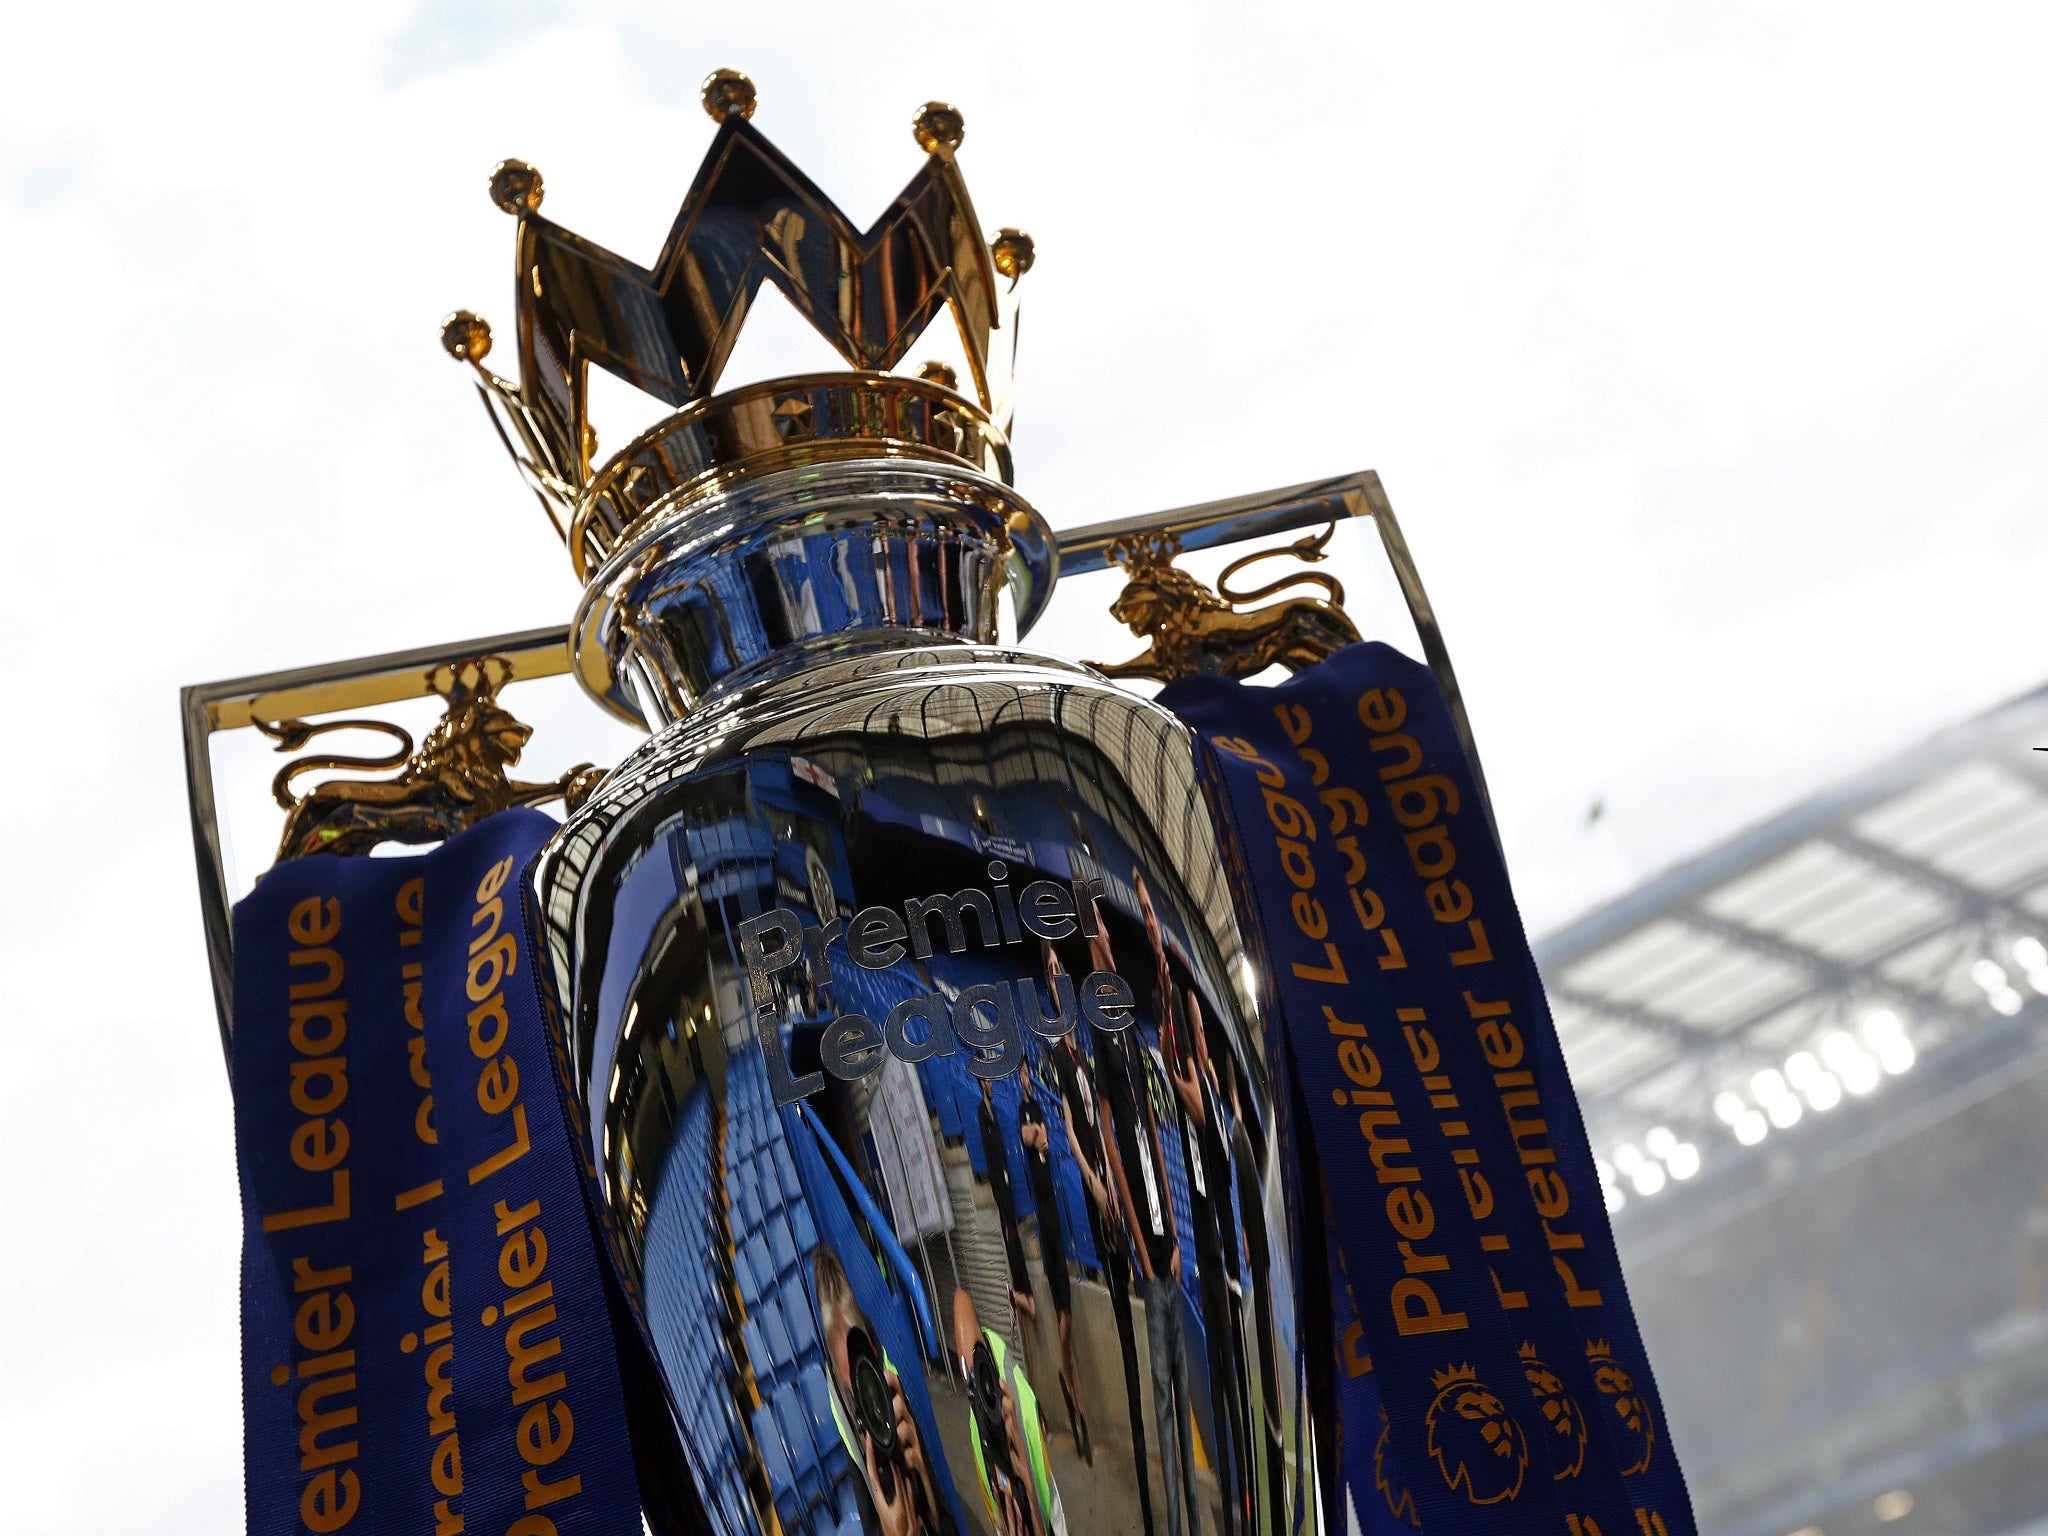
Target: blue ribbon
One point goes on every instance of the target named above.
(1465, 1218)
(428, 1339)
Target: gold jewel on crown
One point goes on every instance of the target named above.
(751, 217)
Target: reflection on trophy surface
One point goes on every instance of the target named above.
(933, 1235)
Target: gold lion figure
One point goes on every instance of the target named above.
(1195, 632)
(455, 779)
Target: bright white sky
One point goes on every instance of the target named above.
(1699, 345)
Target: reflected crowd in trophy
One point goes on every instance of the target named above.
(1017, 1292)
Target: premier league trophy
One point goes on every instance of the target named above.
(891, 1106)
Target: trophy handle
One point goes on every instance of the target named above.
(1263, 514)
(369, 681)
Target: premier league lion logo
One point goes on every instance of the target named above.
(1387, 1477)
(1562, 1415)
(1633, 1431)
(1475, 1441)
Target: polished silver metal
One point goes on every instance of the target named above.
(975, 1230)
(704, 590)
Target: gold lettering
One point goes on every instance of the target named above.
(1346, 807)
(328, 1502)
(1481, 950)
(523, 1257)
(318, 1144)
(315, 1421)
(522, 1357)
(1384, 1148)
(336, 1209)
(1575, 1295)
(1431, 853)
(497, 1085)
(333, 1012)
(1289, 816)
(1411, 1213)
(1332, 972)
(1418, 802)
(1309, 916)
(494, 879)
(333, 970)
(493, 912)
(440, 1387)
(500, 1160)
(489, 970)
(1340, 1026)
(1450, 901)
(309, 924)
(1382, 711)
(1417, 1310)
(1411, 755)
(1395, 958)
(306, 1278)
(1354, 865)
(545, 1431)
(1478, 1193)
(509, 1218)
(1553, 1198)
(1501, 1042)
(333, 1071)
(324, 1321)
(1359, 1063)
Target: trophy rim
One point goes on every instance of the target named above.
(713, 445)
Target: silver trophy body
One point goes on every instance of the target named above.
(1011, 1256)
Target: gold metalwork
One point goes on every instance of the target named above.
(466, 337)
(725, 92)
(751, 217)
(516, 187)
(1196, 632)
(773, 425)
(456, 778)
(938, 126)
(1014, 253)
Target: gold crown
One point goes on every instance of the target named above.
(1528, 1352)
(751, 217)
(1442, 1379)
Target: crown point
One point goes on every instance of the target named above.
(725, 92)
(1014, 252)
(466, 337)
(941, 374)
(937, 126)
(516, 187)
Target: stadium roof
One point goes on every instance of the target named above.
(1895, 919)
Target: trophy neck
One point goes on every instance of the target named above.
(781, 569)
